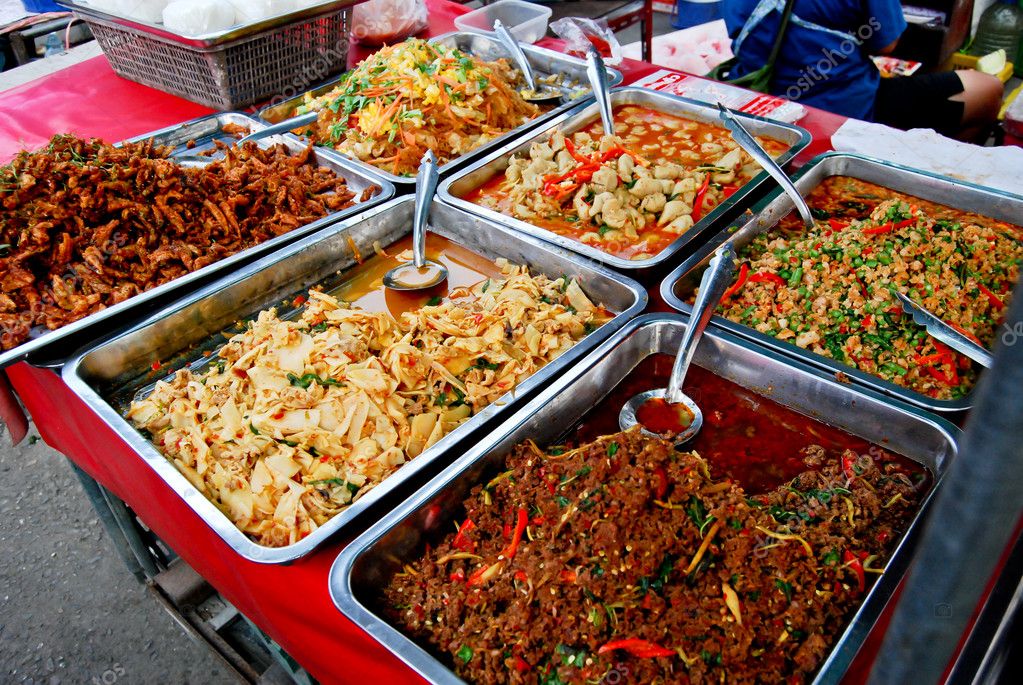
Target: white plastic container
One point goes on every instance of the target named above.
(526, 21)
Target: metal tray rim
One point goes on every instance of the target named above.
(667, 292)
(387, 191)
(427, 666)
(216, 520)
(458, 162)
(739, 198)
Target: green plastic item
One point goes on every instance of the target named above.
(1001, 27)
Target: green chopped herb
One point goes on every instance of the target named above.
(434, 301)
(785, 587)
(253, 429)
(465, 654)
(612, 449)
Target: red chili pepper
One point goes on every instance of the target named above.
(903, 224)
(856, 565)
(521, 665)
(878, 230)
(867, 321)
(636, 647)
(926, 360)
(662, 483)
(458, 576)
(570, 146)
(568, 576)
(766, 277)
(741, 281)
(729, 191)
(506, 531)
(156, 366)
(538, 520)
(299, 301)
(867, 250)
(847, 467)
(698, 201)
(995, 301)
(520, 526)
(461, 541)
(520, 575)
(838, 225)
(950, 379)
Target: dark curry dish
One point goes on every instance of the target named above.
(625, 555)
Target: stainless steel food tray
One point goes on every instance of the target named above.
(203, 131)
(109, 374)
(682, 282)
(213, 38)
(481, 171)
(365, 565)
(544, 62)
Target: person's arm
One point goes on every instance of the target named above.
(885, 24)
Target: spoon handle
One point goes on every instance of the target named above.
(715, 281)
(426, 188)
(508, 40)
(748, 143)
(597, 73)
(282, 127)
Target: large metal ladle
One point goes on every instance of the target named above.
(685, 418)
(531, 94)
(421, 273)
(748, 143)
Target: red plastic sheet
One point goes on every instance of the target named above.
(291, 603)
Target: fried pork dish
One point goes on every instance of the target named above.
(629, 195)
(830, 290)
(417, 96)
(624, 556)
(86, 225)
(297, 419)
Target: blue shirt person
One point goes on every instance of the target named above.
(825, 57)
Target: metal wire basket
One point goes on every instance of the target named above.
(280, 60)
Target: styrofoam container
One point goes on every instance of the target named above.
(526, 21)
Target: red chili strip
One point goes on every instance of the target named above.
(857, 566)
(766, 277)
(698, 201)
(636, 647)
(522, 518)
(739, 283)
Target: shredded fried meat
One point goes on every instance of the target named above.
(85, 225)
(624, 556)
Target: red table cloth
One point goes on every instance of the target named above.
(290, 603)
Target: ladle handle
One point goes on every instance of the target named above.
(426, 188)
(748, 143)
(282, 127)
(715, 281)
(516, 52)
(597, 73)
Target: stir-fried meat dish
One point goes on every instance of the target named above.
(624, 555)
(85, 225)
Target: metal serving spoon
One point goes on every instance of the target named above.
(282, 127)
(685, 418)
(548, 94)
(597, 73)
(748, 143)
(943, 332)
(421, 273)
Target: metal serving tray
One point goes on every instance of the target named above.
(680, 284)
(109, 374)
(203, 131)
(366, 564)
(455, 188)
(544, 62)
(214, 38)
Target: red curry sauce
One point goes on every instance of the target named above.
(745, 437)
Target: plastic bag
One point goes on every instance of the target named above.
(380, 22)
(580, 34)
(142, 10)
(251, 11)
(196, 17)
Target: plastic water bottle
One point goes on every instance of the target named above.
(1000, 27)
(54, 45)
(694, 12)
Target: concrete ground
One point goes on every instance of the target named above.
(70, 612)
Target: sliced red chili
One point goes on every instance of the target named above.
(661, 489)
(856, 565)
(739, 283)
(461, 541)
(643, 649)
(522, 517)
(698, 201)
(838, 225)
(995, 301)
(766, 277)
